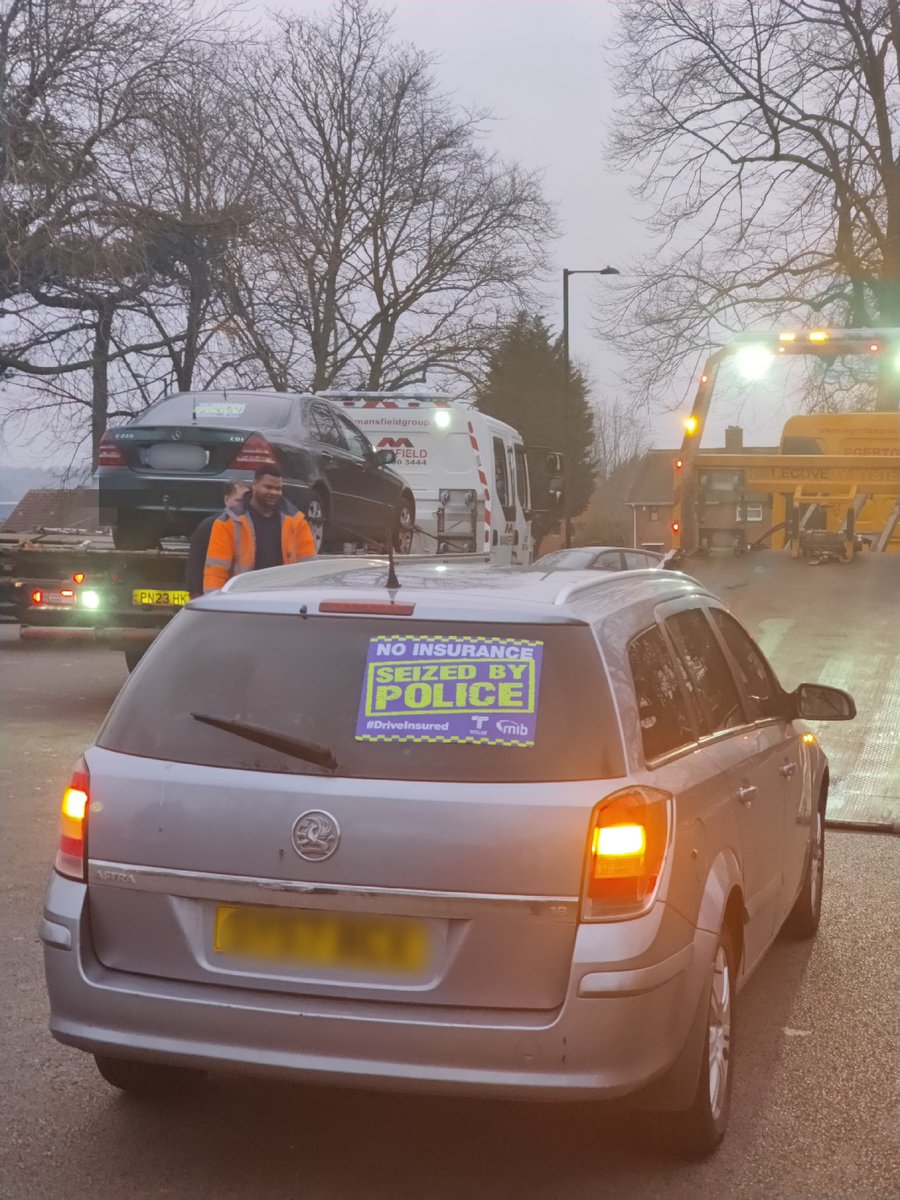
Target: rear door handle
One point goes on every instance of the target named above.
(747, 794)
(788, 769)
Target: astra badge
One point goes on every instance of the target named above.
(316, 835)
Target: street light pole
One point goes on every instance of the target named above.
(567, 429)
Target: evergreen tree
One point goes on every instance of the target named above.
(524, 386)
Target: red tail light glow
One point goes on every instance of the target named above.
(367, 607)
(37, 597)
(78, 577)
(630, 835)
(109, 454)
(255, 452)
(71, 857)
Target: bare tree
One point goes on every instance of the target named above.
(766, 133)
(75, 79)
(619, 436)
(400, 241)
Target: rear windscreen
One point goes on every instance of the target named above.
(388, 699)
(218, 409)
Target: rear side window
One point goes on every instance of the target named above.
(712, 685)
(759, 682)
(666, 723)
(522, 489)
(227, 410)
(311, 678)
(501, 474)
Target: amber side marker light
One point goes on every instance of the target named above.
(809, 738)
(817, 335)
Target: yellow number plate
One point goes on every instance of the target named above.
(323, 939)
(158, 598)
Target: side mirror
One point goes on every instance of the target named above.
(816, 702)
(384, 457)
(555, 492)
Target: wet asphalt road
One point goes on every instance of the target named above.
(815, 1102)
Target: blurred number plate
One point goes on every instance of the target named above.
(323, 939)
(158, 598)
(58, 598)
(177, 456)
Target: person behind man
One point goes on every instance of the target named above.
(265, 531)
(233, 493)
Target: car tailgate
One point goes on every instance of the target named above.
(484, 880)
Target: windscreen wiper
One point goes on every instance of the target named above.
(311, 752)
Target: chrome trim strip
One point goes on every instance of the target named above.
(200, 885)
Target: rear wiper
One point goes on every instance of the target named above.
(311, 752)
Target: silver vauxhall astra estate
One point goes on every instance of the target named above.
(500, 831)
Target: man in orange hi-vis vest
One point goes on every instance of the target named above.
(265, 531)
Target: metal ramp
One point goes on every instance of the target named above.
(835, 624)
(888, 532)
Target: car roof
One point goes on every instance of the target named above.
(444, 591)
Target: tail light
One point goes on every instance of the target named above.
(255, 452)
(71, 855)
(109, 454)
(630, 834)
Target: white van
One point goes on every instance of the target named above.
(467, 471)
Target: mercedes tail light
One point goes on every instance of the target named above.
(629, 839)
(255, 452)
(109, 454)
(71, 857)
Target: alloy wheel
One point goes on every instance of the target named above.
(719, 1033)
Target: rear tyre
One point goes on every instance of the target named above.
(145, 1078)
(404, 526)
(133, 531)
(696, 1132)
(317, 519)
(803, 919)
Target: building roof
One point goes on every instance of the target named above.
(54, 508)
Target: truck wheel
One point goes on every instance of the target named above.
(133, 531)
(404, 526)
(697, 1131)
(145, 1078)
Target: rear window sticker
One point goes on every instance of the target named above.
(430, 688)
(219, 408)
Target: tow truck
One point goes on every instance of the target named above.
(835, 481)
(479, 494)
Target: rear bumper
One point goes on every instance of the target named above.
(614, 1033)
(171, 497)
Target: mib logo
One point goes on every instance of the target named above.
(512, 728)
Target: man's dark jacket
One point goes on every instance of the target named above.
(193, 575)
